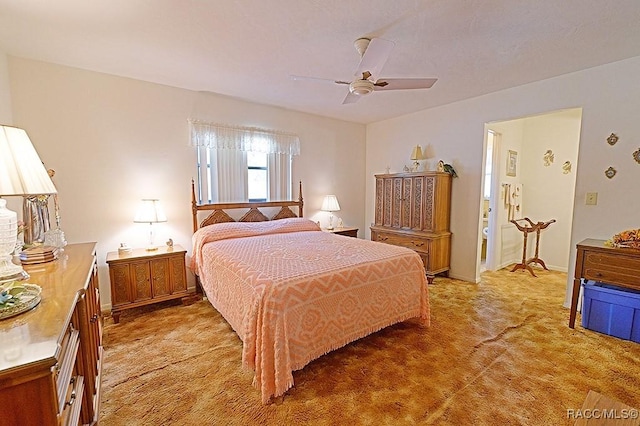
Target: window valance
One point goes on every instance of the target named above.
(221, 136)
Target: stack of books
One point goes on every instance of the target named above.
(38, 254)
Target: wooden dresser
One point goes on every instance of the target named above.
(51, 356)
(413, 210)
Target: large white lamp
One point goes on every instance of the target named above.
(330, 204)
(21, 173)
(150, 211)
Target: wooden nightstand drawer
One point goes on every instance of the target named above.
(347, 232)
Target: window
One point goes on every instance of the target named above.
(236, 164)
(257, 181)
(488, 165)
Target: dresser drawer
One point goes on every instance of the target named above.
(65, 366)
(612, 269)
(70, 414)
(409, 241)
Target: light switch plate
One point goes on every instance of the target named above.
(592, 198)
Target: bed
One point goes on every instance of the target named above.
(292, 292)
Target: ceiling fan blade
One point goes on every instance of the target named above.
(375, 57)
(404, 83)
(351, 98)
(302, 78)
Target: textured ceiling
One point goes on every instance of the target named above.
(248, 49)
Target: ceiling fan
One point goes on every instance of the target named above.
(374, 53)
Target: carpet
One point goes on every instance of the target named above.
(497, 352)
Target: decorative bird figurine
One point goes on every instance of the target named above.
(448, 168)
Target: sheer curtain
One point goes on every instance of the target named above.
(222, 160)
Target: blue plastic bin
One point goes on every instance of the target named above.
(611, 310)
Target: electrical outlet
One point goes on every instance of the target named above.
(592, 198)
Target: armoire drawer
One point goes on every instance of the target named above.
(412, 242)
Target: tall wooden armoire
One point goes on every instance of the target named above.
(413, 210)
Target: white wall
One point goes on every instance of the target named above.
(113, 141)
(610, 98)
(5, 93)
(548, 191)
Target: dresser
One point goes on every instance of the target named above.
(611, 265)
(144, 277)
(51, 356)
(413, 210)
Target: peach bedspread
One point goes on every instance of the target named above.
(293, 293)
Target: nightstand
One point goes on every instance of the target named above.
(349, 232)
(144, 277)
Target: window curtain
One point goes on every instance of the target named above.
(222, 160)
(279, 169)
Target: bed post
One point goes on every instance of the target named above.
(300, 213)
(194, 210)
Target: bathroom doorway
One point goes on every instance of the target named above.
(538, 155)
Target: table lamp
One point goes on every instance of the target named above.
(416, 156)
(150, 211)
(330, 204)
(21, 173)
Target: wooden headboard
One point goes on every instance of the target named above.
(218, 214)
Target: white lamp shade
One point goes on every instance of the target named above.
(416, 154)
(150, 211)
(21, 170)
(330, 204)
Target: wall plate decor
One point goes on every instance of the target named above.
(548, 157)
(610, 172)
(612, 139)
(636, 156)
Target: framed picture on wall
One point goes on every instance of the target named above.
(512, 161)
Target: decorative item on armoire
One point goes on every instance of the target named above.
(447, 168)
(612, 139)
(636, 155)
(548, 158)
(610, 172)
(566, 168)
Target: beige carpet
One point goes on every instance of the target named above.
(498, 352)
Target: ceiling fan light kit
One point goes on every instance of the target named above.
(361, 87)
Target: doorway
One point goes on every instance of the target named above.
(538, 155)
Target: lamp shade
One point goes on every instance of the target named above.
(330, 204)
(21, 170)
(150, 211)
(416, 154)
